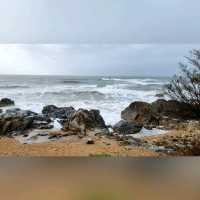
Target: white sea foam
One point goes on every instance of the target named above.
(109, 95)
(145, 133)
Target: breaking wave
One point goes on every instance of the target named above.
(108, 94)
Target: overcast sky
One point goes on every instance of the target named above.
(95, 59)
(100, 21)
(97, 37)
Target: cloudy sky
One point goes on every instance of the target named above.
(93, 59)
(100, 21)
(92, 37)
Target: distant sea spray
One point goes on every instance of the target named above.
(108, 94)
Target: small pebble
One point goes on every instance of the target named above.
(90, 141)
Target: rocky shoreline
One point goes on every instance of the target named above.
(89, 126)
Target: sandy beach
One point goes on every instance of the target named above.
(70, 147)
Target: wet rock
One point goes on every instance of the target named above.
(127, 128)
(42, 122)
(39, 117)
(6, 127)
(167, 114)
(9, 125)
(18, 121)
(6, 102)
(42, 125)
(140, 113)
(83, 120)
(56, 112)
(16, 112)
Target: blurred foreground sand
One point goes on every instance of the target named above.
(99, 179)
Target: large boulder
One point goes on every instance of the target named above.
(58, 112)
(140, 113)
(83, 120)
(6, 102)
(127, 128)
(159, 113)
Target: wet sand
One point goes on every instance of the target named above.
(71, 146)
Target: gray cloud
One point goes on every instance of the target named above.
(99, 21)
(93, 59)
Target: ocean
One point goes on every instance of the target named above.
(110, 95)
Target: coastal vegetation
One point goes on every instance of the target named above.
(185, 87)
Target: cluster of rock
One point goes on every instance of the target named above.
(82, 121)
(18, 121)
(58, 112)
(78, 122)
(160, 114)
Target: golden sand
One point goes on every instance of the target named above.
(70, 147)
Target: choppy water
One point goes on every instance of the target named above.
(108, 94)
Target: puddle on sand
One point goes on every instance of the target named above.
(35, 137)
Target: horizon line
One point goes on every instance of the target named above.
(123, 75)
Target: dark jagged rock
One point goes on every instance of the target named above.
(18, 121)
(127, 128)
(83, 120)
(42, 118)
(14, 124)
(6, 102)
(56, 112)
(19, 112)
(42, 122)
(41, 125)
